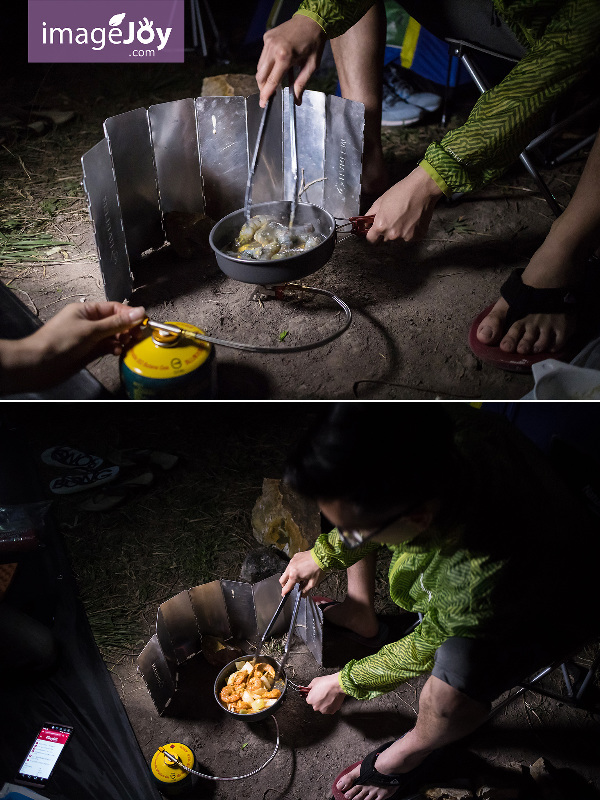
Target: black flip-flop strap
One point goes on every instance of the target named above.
(523, 299)
(370, 776)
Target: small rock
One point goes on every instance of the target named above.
(229, 86)
(262, 563)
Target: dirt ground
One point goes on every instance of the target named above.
(129, 560)
(412, 304)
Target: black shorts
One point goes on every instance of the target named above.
(483, 669)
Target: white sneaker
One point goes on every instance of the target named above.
(397, 83)
(396, 111)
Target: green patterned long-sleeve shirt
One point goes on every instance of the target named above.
(492, 568)
(452, 592)
(563, 45)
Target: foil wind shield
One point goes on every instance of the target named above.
(193, 155)
(232, 611)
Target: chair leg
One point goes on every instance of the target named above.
(547, 194)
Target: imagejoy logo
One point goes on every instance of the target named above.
(84, 31)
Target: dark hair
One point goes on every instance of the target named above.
(375, 454)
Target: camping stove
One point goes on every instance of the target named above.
(193, 156)
(230, 611)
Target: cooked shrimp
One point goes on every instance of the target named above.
(249, 229)
(239, 678)
(230, 694)
(268, 670)
(239, 706)
(254, 684)
(272, 695)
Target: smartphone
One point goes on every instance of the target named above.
(45, 752)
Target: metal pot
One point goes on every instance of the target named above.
(282, 270)
(280, 683)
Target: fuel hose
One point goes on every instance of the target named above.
(278, 292)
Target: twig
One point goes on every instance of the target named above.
(414, 388)
(60, 299)
(19, 159)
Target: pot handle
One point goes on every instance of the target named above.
(361, 224)
(358, 225)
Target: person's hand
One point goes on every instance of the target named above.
(326, 694)
(299, 42)
(302, 569)
(405, 210)
(78, 334)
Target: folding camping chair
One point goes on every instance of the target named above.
(577, 681)
(468, 29)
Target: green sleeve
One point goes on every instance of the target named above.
(330, 553)
(459, 603)
(507, 117)
(393, 664)
(335, 16)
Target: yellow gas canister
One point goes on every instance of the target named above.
(168, 776)
(169, 366)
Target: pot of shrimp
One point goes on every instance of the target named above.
(266, 249)
(250, 691)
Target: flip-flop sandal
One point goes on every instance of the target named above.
(374, 642)
(117, 493)
(63, 456)
(136, 456)
(82, 481)
(522, 300)
(408, 783)
(510, 362)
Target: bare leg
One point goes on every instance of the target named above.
(357, 611)
(445, 715)
(559, 261)
(358, 55)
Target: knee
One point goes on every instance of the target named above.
(439, 699)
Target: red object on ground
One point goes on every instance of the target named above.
(511, 362)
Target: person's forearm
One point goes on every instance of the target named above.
(392, 666)
(335, 16)
(20, 361)
(330, 553)
(506, 118)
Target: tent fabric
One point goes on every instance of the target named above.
(103, 760)
(420, 51)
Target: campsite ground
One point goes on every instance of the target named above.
(412, 304)
(192, 526)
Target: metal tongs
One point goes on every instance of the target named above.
(269, 628)
(293, 152)
(259, 136)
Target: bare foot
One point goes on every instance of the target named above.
(362, 792)
(535, 333)
(354, 616)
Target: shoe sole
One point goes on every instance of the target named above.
(386, 124)
(82, 481)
